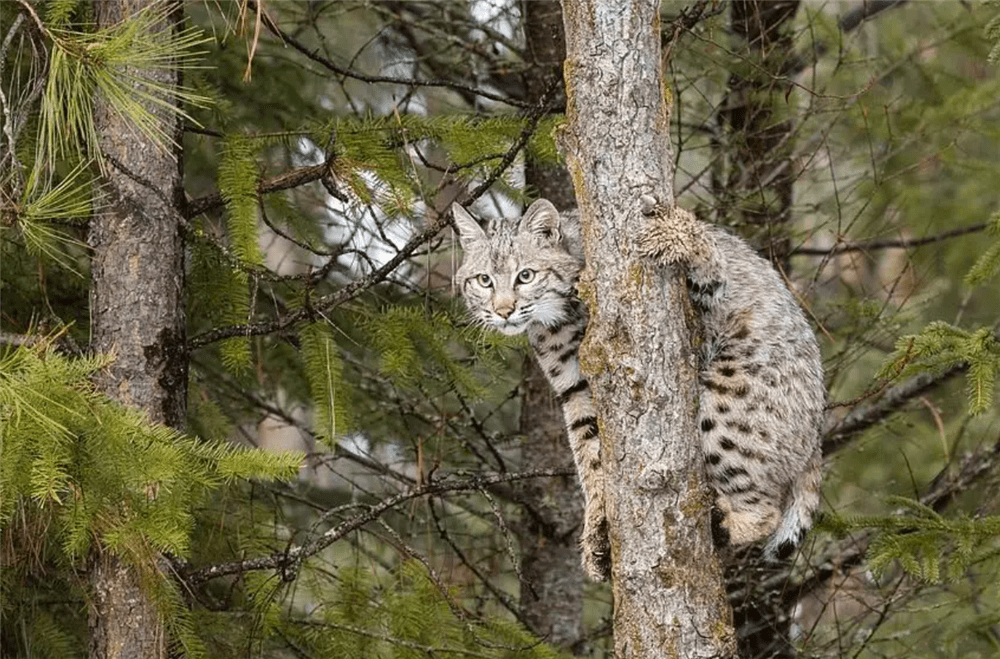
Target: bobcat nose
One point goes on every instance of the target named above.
(504, 309)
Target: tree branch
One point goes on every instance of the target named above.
(290, 179)
(357, 75)
(289, 560)
(868, 9)
(890, 243)
(838, 433)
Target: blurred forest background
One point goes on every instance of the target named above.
(431, 508)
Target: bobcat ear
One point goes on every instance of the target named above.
(542, 219)
(469, 231)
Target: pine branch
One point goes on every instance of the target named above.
(288, 561)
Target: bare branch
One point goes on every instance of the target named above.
(866, 10)
(838, 433)
(357, 75)
(288, 561)
(290, 179)
(890, 243)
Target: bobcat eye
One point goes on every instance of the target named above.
(525, 276)
(484, 281)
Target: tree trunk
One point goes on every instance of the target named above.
(552, 595)
(756, 116)
(138, 315)
(668, 594)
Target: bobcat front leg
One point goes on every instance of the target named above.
(585, 442)
(557, 352)
(595, 549)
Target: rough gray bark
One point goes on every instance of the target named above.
(668, 594)
(552, 592)
(138, 315)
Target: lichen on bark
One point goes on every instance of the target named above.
(638, 353)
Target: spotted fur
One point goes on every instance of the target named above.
(762, 392)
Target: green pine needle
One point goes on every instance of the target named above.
(325, 372)
(121, 63)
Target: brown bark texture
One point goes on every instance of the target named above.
(138, 316)
(551, 599)
(669, 599)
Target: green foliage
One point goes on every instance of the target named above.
(58, 12)
(416, 345)
(940, 346)
(407, 618)
(79, 471)
(988, 264)
(70, 200)
(102, 468)
(121, 63)
(474, 143)
(220, 293)
(324, 369)
(925, 544)
(238, 185)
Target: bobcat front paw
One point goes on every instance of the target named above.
(672, 235)
(596, 551)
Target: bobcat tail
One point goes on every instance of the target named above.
(798, 516)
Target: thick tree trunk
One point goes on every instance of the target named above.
(138, 315)
(668, 594)
(551, 597)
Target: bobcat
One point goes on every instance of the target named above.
(761, 395)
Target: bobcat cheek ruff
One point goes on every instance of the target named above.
(761, 380)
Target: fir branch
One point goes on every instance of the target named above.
(324, 371)
(287, 561)
(237, 183)
(988, 264)
(290, 179)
